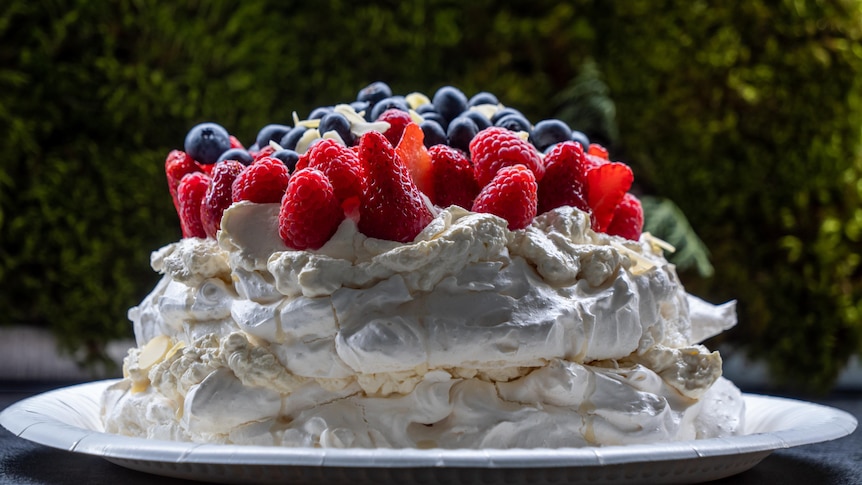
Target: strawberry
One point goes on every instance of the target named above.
(599, 151)
(310, 212)
(262, 182)
(340, 165)
(398, 121)
(411, 149)
(494, 148)
(511, 194)
(452, 177)
(628, 220)
(218, 196)
(606, 186)
(190, 193)
(392, 207)
(177, 165)
(565, 178)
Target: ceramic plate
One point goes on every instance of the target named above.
(68, 419)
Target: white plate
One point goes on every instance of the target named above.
(68, 419)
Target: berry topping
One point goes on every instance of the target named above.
(581, 138)
(510, 195)
(374, 92)
(337, 123)
(482, 98)
(241, 155)
(514, 122)
(606, 186)
(206, 141)
(434, 134)
(340, 165)
(235, 143)
(565, 178)
(599, 151)
(262, 182)
(397, 120)
(288, 158)
(452, 177)
(628, 220)
(392, 207)
(177, 165)
(292, 137)
(494, 148)
(271, 133)
(549, 132)
(190, 194)
(450, 102)
(460, 132)
(480, 119)
(319, 113)
(310, 212)
(218, 196)
(411, 150)
(393, 102)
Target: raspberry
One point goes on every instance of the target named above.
(606, 186)
(177, 165)
(411, 149)
(218, 196)
(234, 142)
(398, 120)
(340, 165)
(310, 212)
(628, 220)
(262, 182)
(263, 152)
(511, 194)
(392, 207)
(190, 193)
(452, 177)
(494, 148)
(565, 178)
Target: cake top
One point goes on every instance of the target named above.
(391, 163)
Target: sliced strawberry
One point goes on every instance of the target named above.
(494, 148)
(628, 220)
(606, 186)
(340, 165)
(565, 178)
(452, 177)
(511, 194)
(398, 121)
(392, 207)
(310, 212)
(177, 165)
(219, 195)
(190, 193)
(264, 181)
(411, 149)
(599, 151)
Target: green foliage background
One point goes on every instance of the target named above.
(746, 116)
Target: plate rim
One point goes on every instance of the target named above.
(22, 420)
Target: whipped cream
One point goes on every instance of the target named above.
(470, 336)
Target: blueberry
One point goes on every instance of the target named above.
(434, 134)
(292, 137)
(436, 117)
(318, 113)
(360, 106)
(338, 123)
(506, 111)
(481, 121)
(393, 102)
(450, 102)
(549, 132)
(581, 138)
(426, 108)
(374, 93)
(460, 132)
(269, 133)
(514, 122)
(287, 157)
(239, 154)
(206, 141)
(483, 98)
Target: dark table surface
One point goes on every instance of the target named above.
(27, 463)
